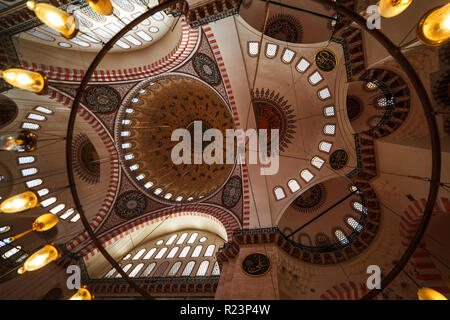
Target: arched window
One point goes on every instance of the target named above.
(160, 254)
(317, 162)
(26, 160)
(253, 48)
(75, 218)
(148, 270)
(279, 193)
(182, 238)
(210, 250)
(128, 256)
(188, 269)
(325, 146)
(171, 240)
(159, 242)
(341, 237)
(288, 55)
(43, 110)
(302, 65)
(110, 273)
(306, 175)
(184, 252)
(271, 50)
(5, 229)
(136, 270)
(329, 111)
(43, 192)
(293, 185)
(354, 224)
(139, 254)
(37, 117)
(329, 129)
(203, 268)
(172, 253)
(149, 254)
(67, 214)
(359, 207)
(48, 201)
(324, 93)
(34, 183)
(315, 78)
(58, 208)
(202, 239)
(193, 237)
(125, 269)
(216, 269)
(173, 271)
(197, 251)
(29, 171)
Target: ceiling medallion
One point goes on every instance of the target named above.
(144, 130)
(338, 159)
(311, 199)
(284, 27)
(130, 204)
(325, 60)
(232, 192)
(85, 159)
(256, 264)
(273, 112)
(102, 99)
(207, 69)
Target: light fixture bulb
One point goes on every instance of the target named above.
(434, 27)
(392, 8)
(26, 79)
(82, 294)
(18, 203)
(40, 258)
(425, 293)
(103, 7)
(55, 18)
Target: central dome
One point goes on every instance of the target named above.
(157, 109)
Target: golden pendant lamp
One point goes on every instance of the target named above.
(40, 258)
(103, 7)
(82, 294)
(55, 18)
(43, 223)
(425, 293)
(26, 79)
(18, 203)
(434, 27)
(392, 8)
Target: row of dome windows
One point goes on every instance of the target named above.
(329, 111)
(39, 114)
(162, 267)
(183, 254)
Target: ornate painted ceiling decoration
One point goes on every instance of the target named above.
(354, 108)
(102, 99)
(284, 27)
(130, 204)
(207, 69)
(311, 199)
(143, 134)
(86, 162)
(232, 192)
(273, 112)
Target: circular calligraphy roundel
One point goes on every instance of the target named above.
(325, 60)
(338, 159)
(256, 264)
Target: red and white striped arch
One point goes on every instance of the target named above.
(428, 275)
(187, 43)
(217, 214)
(114, 175)
(352, 291)
(245, 183)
